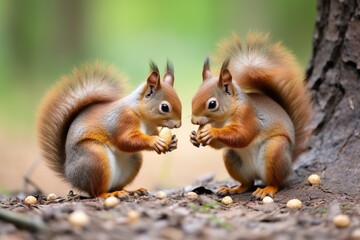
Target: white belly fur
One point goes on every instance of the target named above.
(121, 167)
(253, 164)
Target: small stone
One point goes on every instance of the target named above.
(267, 199)
(227, 200)
(161, 195)
(341, 221)
(30, 200)
(191, 195)
(314, 179)
(165, 133)
(51, 197)
(294, 204)
(133, 216)
(111, 202)
(78, 219)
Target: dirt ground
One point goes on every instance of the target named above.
(177, 217)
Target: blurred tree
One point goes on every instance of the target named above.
(334, 78)
(55, 30)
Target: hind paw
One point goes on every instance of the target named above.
(260, 193)
(231, 190)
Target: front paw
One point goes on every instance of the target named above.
(205, 135)
(159, 145)
(173, 143)
(193, 139)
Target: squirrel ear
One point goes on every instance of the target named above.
(169, 74)
(169, 78)
(225, 81)
(153, 81)
(225, 77)
(206, 74)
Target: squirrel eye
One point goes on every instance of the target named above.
(164, 107)
(212, 104)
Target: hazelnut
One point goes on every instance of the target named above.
(267, 199)
(166, 135)
(191, 195)
(30, 200)
(51, 197)
(314, 179)
(227, 200)
(78, 219)
(161, 195)
(341, 221)
(132, 216)
(294, 204)
(111, 202)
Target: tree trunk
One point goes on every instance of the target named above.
(335, 83)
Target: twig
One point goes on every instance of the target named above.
(27, 177)
(23, 222)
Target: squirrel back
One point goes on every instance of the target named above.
(91, 84)
(271, 69)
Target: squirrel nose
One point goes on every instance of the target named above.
(195, 120)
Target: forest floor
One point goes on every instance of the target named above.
(177, 217)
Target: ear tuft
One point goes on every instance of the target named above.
(225, 64)
(169, 67)
(169, 74)
(206, 74)
(153, 67)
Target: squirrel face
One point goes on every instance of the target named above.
(214, 101)
(160, 105)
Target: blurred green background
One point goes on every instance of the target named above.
(42, 40)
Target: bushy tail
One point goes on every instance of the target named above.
(270, 68)
(90, 84)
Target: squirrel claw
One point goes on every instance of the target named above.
(173, 143)
(193, 139)
(223, 191)
(260, 193)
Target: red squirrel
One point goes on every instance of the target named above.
(92, 135)
(258, 110)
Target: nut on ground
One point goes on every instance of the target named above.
(294, 204)
(30, 200)
(227, 200)
(161, 195)
(132, 216)
(165, 133)
(267, 199)
(341, 221)
(191, 195)
(111, 202)
(314, 179)
(355, 235)
(78, 219)
(51, 197)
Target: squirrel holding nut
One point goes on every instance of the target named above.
(258, 110)
(92, 135)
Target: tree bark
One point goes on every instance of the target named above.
(333, 77)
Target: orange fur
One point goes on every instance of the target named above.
(271, 69)
(241, 131)
(95, 83)
(86, 129)
(260, 111)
